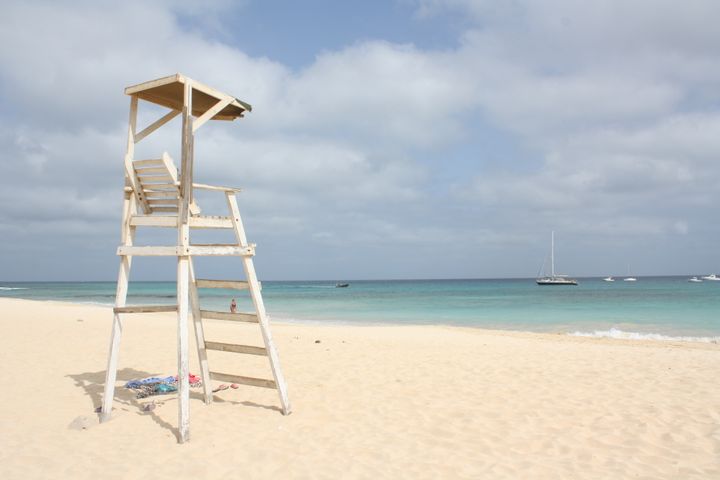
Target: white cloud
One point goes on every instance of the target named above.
(616, 104)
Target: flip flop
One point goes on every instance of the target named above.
(221, 387)
(234, 385)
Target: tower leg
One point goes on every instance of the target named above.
(120, 299)
(183, 275)
(259, 305)
(200, 336)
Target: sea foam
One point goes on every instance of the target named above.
(617, 333)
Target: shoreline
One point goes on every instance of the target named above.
(612, 333)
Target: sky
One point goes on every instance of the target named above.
(388, 139)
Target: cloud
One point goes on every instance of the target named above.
(378, 146)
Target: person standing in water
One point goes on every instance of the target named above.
(233, 306)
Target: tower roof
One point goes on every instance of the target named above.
(168, 92)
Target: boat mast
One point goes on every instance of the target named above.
(552, 253)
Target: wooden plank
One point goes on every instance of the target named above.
(156, 124)
(124, 250)
(163, 201)
(254, 382)
(218, 94)
(155, 162)
(165, 209)
(230, 347)
(152, 194)
(199, 336)
(146, 309)
(156, 181)
(161, 188)
(170, 221)
(257, 299)
(202, 186)
(234, 317)
(144, 172)
(229, 284)
(211, 112)
(127, 238)
(153, 84)
(170, 167)
(183, 271)
(221, 250)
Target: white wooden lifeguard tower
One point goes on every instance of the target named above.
(157, 195)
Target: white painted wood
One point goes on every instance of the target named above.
(148, 251)
(146, 309)
(233, 348)
(228, 284)
(127, 236)
(214, 250)
(199, 335)
(235, 317)
(170, 221)
(254, 382)
(202, 186)
(259, 305)
(156, 124)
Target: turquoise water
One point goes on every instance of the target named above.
(651, 307)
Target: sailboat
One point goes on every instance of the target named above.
(554, 279)
(629, 278)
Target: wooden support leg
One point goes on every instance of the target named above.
(115, 336)
(200, 336)
(128, 237)
(257, 299)
(183, 276)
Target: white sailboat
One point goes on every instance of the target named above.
(629, 278)
(554, 279)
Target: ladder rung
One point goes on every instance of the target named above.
(236, 284)
(235, 317)
(145, 309)
(184, 251)
(229, 347)
(148, 163)
(255, 382)
(168, 221)
(221, 249)
(151, 171)
(169, 201)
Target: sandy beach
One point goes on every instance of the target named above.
(368, 402)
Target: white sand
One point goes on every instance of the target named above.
(369, 402)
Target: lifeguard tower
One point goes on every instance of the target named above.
(157, 195)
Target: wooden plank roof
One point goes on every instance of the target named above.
(168, 92)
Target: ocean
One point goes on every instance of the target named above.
(663, 308)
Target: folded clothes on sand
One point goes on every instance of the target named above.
(159, 385)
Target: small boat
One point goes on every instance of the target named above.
(608, 279)
(629, 278)
(712, 277)
(554, 279)
(694, 280)
(342, 285)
